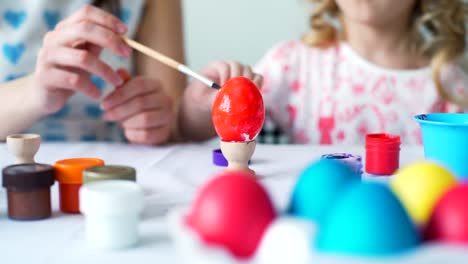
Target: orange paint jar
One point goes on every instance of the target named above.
(69, 174)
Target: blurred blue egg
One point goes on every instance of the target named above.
(367, 219)
(318, 186)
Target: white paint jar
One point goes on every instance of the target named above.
(112, 210)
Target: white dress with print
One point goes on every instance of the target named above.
(333, 96)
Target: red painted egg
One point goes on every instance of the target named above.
(238, 110)
(448, 222)
(233, 210)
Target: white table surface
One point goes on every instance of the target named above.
(170, 176)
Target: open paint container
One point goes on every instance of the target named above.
(445, 140)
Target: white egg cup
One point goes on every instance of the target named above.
(238, 154)
(24, 147)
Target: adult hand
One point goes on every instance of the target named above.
(70, 54)
(142, 108)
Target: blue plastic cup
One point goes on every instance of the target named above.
(445, 140)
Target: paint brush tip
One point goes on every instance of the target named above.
(215, 86)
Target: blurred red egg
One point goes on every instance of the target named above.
(449, 219)
(238, 110)
(233, 210)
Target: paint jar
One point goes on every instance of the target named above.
(28, 190)
(69, 174)
(382, 154)
(109, 172)
(112, 210)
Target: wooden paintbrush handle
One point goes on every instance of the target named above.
(170, 62)
(152, 53)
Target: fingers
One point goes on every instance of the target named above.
(148, 136)
(135, 87)
(124, 74)
(148, 119)
(54, 78)
(145, 102)
(81, 59)
(136, 96)
(235, 68)
(86, 31)
(142, 108)
(222, 71)
(258, 80)
(217, 71)
(70, 53)
(248, 73)
(95, 15)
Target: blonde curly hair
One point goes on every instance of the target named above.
(444, 24)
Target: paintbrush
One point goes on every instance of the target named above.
(170, 62)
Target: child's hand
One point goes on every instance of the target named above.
(221, 71)
(70, 54)
(142, 109)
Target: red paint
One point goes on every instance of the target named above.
(449, 217)
(382, 154)
(238, 111)
(233, 210)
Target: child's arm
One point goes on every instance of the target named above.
(144, 107)
(161, 29)
(194, 118)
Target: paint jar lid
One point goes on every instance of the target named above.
(109, 172)
(70, 171)
(111, 197)
(28, 176)
(353, 161)
(382, 139)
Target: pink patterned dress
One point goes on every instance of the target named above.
(334, 96)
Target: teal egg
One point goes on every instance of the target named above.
(318, 186)
(368, 220)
